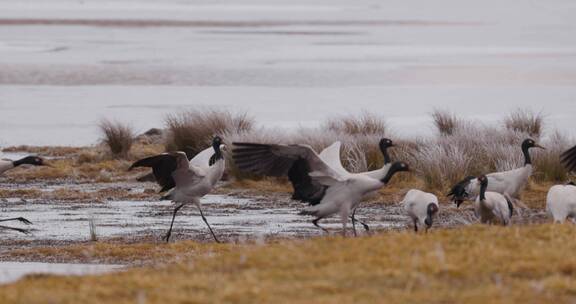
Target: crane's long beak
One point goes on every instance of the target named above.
(539, 146)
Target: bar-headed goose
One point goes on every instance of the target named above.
(421, 207)
(6, 164)
(492, 207)
(342, 191)
(188, 180)
(507, 182)
(561, 202)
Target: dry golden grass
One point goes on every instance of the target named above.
(112, 252)
(476, 264)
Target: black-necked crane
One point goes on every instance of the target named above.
(331, 155)
(509, 182)
(341, 191)
(561, 199)
(7, 164)
(310, 191)
(190, 180)
(492, 207)
(561, 202)
(421, 207)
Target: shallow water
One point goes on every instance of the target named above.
(289, 63)
(70, 221)
(13, 271)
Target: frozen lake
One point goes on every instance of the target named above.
(66, 64)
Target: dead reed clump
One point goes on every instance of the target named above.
(525, 121)
(118, 137)
(471, 149)
(445, 122)
(192, 131)
(547, 165)
(363, 124)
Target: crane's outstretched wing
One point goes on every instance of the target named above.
(162, 167)
(276, 159)
(294, 161)
(202, 159)
(170, 169)
(331, 156)
(568, 158)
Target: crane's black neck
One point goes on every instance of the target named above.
(24, 161)
(483, 187)
(217, 153)
(387, 159)
(395, 168)
(526, 152)
(217, 150)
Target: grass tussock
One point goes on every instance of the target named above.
(475, 264)
(445, 122)
(525, 121)
(117, 136)
(472, 149)
(193, 131)
(547, 164)
(363, 124)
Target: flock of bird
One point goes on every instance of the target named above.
(320, 180)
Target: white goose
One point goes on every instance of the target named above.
(421, 207)
(492, 207)
(507, 182)
(561, 202)
(342, 191)
(188, 180)
(6, 164)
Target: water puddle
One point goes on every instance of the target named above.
(13, 271)
(227, 215)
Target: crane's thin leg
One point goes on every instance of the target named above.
(315, 222)
(25, 231)
(416, 225)
(21, 219)
(344, 220)
(354, 223)
(167, 237)
(205, 221)
(366, 227)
